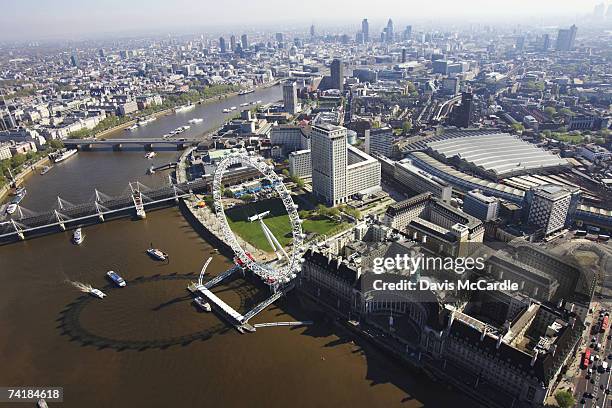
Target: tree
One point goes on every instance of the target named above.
(247, 198)
(55, 144)
(406, 126)
(566, 112)
(550, 111)
(285, 172)
(565, 399)
(518, 127)
(228, 193)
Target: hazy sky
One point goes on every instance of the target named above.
(31, 19)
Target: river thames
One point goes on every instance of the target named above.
(146, 344)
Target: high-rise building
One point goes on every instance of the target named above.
(279, 37)
(551, 207)
(244, 40)
(329, 162)
(520, 43)
(337, 74)
(340, 171)
(290, 99)
(222, 45)
(566, 38)
(546, 42)
(404, 53)
(101, 53)
(379, 141)
(233, 42)
(74, 60)
(312, 31)
(465, 113)
(408, 32)
(389, 31)
(480, 205)
(365, 29)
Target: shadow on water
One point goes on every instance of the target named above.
(70, 324)
(382, 368)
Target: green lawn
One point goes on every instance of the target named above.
(277, 221)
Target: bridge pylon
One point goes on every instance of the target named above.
(18, 230)
(60, 220)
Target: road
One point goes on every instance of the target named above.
(599, 379)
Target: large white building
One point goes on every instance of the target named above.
(339, 170)
(300, 163)
(379, 141)
(405, 173)
(291, 138)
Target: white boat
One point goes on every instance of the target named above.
(78, 237)
(11, 208)
(133, 127)
(118, 280)
(45, 170)
(157, 254)
(196, 120)
(233, 108)
(64, 154)
(184, 108)
(146, 121)
(97, 293)
(226, 110)
(244, 104)
(202, 304)
(150, 155)
(246, 91)
(259, 101)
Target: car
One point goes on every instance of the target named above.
(609, 336)
(607, 391)
(588, 376)
(583, 401)
(592, 381)
(609, 356)
(601, 387)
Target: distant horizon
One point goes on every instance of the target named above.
(38, 20)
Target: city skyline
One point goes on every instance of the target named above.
(32, 20)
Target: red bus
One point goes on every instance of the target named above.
(604, 324)
(587, 358)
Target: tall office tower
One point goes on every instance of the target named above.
(233, 42)
(279, 37)
(337, 74)
(101, 53)
(379, 141)
(465, 115)
(290, 99)
(222, 45)
(551, 207)
(546, 42)
(408, 32)
(599, 11)
(329, 163)
(520, 43)
(404, 52)
(244, 40)
(566, 38)
(74, 60)
(312, 31)
(389, 33)
(365, 29)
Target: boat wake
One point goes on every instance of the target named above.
(81, 286)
